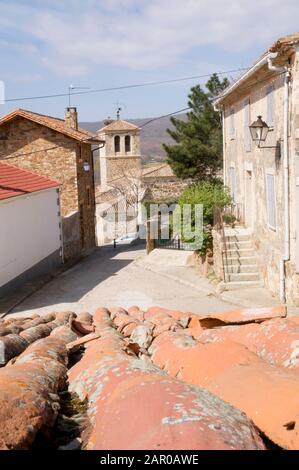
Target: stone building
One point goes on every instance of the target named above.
(161, 184)
(122, 183)
(60, 150)
(118, 180)
(263, 173)
(121, 153)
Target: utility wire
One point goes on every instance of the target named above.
(123, 87)
(146, 123)
(31, 153)
(55, 147)
(188, 109)
(165, 115)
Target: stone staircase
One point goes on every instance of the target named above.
(240, 263)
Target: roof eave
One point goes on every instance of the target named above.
(15, 114)
(257, 66)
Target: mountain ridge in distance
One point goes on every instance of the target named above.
(153, 135)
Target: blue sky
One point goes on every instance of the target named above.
(47, 45)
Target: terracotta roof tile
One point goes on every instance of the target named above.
(288, 40)
(227, 388)
(56, 124)
(17, 182)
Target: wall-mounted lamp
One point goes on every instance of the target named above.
(259, 131)
(86, 166)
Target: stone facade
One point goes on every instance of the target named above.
(161, 184)
(217, 255)
(118, 180)
(116, 159)
(117, 167)
(50, 153)
(256, 175)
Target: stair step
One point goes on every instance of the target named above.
(234, 253)
(238, 238)
(241, 268)
(243, 277)
(237, 260)
(234, 285)
(239, 245)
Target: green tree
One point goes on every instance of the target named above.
(197, 152)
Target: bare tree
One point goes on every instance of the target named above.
(131, 189)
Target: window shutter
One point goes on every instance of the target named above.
(232, 123)
(270, 106)
(233, 184)
(271, 201)
(247, 136)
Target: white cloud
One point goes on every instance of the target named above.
(142, 34)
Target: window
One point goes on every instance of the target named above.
(271, 201)
(117, 144)
(246, 121)
(128, 143)
(270, 106)
(232, 129)
(233, 184)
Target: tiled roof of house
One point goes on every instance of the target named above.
(119, 126)
(158, 170)
(282, 46)
(56, 124)
(219, 381)
(17, 182)
(285, 41)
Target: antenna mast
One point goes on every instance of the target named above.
(72, 87)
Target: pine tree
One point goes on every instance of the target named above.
(197, 152)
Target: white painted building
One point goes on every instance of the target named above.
(30, 228)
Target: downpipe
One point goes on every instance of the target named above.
(286, 241)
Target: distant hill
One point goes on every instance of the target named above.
(153, 135)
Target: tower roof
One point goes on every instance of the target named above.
(119, 126)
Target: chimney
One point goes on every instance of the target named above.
(71, 118)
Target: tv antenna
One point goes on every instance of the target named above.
(72, 87)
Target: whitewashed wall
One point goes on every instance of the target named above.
(29, 232)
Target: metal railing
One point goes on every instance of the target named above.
(219, 227)
(226, 217)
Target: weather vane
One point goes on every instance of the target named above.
(120, 107)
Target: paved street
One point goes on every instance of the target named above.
(112, 277)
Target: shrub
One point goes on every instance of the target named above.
(210, 194)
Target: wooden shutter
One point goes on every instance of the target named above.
(271, 201)
(232, 123)
(233, 184)
(247, 135)
(270, 106)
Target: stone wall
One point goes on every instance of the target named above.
(86, 195)
(121, 166)
(252, 164)
(159, 189)
(39, 149)
(217, 255)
